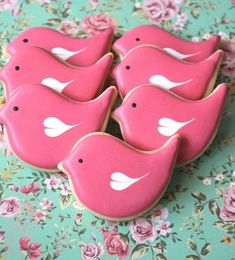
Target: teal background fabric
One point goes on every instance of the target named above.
(39, 216)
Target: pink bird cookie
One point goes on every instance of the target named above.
(116, 181)
(181, 49)
(35, 65)
(43, 126)
(76, 51)
(146, 64)
(148, 116)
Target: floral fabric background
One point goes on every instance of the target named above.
(39, 216)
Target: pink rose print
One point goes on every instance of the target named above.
(115, 245)
(46, 204)
(39, 215)
(92, 251)
(163, 227)
(9, 207)
(32, 187)
(68, 27)
(228, 63)
(53, 182)
(16, 11)
(97, 23)
(142, 230)
(159, 213)
(93, 3)
(4, 145)
(65, 189)
(227, 213)
(233, 2)
(160, 10)
(7, 4)
(31, 250)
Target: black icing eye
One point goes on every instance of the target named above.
(25, 40)
(133, 105)
(80, 160)
(15, 108)
(137, 39)
(128, 67)
(17, 67)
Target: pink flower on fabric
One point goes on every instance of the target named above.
(227, 213)
(7, 4)
(97, 23)
(142, 230)
(53, 182)
(46, 204)
(39, 215)
(65, 189)
(93, 3)
(92, 251)
(228, 63)
(31, 249)
(115, 245)
(4, 146)
(159, 213)
(68, 27)
(163, 227)
(160, 10)
(32, 187)
(9, 207)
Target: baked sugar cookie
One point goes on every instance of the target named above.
(114, 180)
(148, 116)
(35, 65)
(76, 51)
(147, 64)
(43, 126)
(153, 35)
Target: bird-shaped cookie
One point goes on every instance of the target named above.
(148, 116)
(76, 51)
(42, 126)
(146, 64)
(114, 180)
(35, 65)
(181, 49)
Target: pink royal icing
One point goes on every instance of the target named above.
(104, 172)
(182, 49)
(148, 116)
(76, 51)
(146, 64)
(35, 65)
(43, 126)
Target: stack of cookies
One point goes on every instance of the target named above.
(54, 119)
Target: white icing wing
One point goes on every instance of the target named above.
(55, 84)
(65, 54)
(179, 55)
(168, 127)
(121, 181)
(55, 127)
(165, 82)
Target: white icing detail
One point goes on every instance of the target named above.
(55, 84)
(65, 54)
(168, 127)
(179, 55)
(55, 127)
(164, 82)
(121, 182)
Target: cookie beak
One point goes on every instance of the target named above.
(116, 114)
